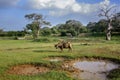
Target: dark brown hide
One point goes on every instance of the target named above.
(63, 45)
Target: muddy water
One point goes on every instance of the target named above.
(94, 70)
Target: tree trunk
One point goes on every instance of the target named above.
(108, 31)
(108, 35)
(38, 32)
(34, 36)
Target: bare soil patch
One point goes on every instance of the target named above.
(27, 69)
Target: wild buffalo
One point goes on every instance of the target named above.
(63, 45)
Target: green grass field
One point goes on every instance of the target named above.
(15, 52)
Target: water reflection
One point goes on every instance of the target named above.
(94, 70)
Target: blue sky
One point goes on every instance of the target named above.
(12, 12)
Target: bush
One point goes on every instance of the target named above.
(46, 33)
(63, 33)
(114, 74)
(49, 39)
(12, 33)
(73, 32)
(42, 40)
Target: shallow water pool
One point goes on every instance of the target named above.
(94, 70)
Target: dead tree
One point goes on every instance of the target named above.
(108, 12)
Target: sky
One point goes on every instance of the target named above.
(12, 12)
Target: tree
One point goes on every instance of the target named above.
(83, 29)
(54, 30)
(35, 25)
(106, 11)
(75, 25)
(116, 23)
(72, 27)
(46, 31)
(91, 26)
(34, 28)
(1, 30)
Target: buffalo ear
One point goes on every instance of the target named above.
(55, 46)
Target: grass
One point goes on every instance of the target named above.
(15, 52)
(114, 74)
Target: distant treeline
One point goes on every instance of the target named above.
(69, 28)
(12, 33)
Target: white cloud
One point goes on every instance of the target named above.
(7, 3)
(59, 12)
(76, 7)
(43, 4)
(106, 2)
(64, 7)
